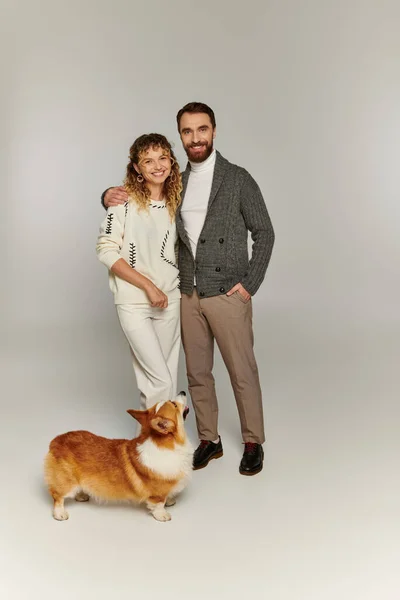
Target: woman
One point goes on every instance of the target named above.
(137, 243)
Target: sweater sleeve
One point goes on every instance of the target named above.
(109, 242)
(259, 224)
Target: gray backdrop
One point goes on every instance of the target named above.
(306, 96)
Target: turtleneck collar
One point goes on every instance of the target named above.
(205, 165)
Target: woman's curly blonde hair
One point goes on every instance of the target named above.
(138, 190)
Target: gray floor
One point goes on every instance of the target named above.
(321, 522)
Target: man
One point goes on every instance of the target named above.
(221, 203)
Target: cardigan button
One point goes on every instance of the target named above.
(201, 293)
(218, 269)
(221, 240)
(222, 289)
(202, 240)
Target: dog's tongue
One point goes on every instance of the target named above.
(185, 412)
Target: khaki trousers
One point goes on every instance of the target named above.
(228, 320)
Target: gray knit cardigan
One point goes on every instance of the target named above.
(235, 207)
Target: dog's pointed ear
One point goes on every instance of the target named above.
(139, 415)
(162, 425)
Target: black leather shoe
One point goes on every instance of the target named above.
(252, 461)
(205, 452)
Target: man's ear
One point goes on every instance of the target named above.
(139, 415)
(162, 425)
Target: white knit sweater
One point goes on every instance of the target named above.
(147, 241)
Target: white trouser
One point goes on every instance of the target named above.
(154, 337)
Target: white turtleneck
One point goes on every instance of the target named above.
(195, 203)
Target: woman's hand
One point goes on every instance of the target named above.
(157, 297)
(124, 271)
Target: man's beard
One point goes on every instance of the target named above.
(201, 157)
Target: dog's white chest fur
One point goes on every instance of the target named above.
(169, 464)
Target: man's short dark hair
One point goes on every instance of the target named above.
(196, 107)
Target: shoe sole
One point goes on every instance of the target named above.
(218, 455)
(250, 473)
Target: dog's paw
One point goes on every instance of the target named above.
(82, 497)
(170, 502)
(161, 515)
(60, 514)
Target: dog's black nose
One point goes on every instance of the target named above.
(185, 412)
(182, 393)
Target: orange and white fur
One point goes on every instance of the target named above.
(152, 468)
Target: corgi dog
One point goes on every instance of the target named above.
(151, 468)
